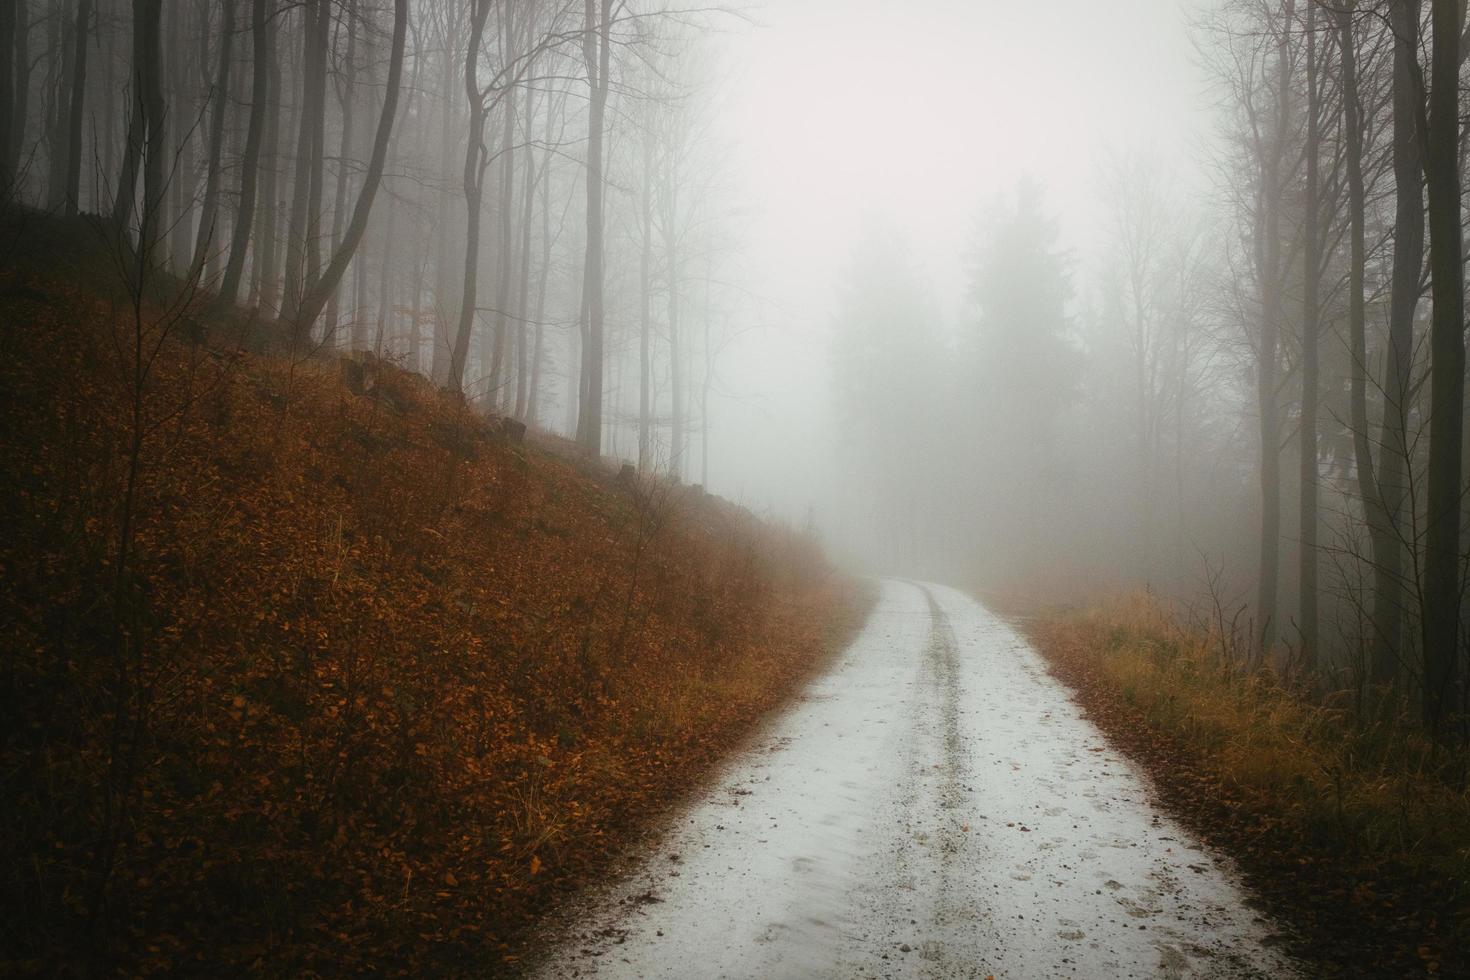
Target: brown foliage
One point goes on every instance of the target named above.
(391, 681)
(1351, 827)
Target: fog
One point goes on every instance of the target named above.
(1042, 300)
(919, 115)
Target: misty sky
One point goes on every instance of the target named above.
(922, 112)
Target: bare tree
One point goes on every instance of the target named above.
(1311, 323)
(219, 95)
(8, 71)
(317, 293)
(75, 107)
(597, 57)
(261, 40)
(1447, 374)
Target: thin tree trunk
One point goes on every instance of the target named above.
(110, 115)
(127, 182)
(706, 383)
(75, 109)
(1267, 367)
(1380, 539)
(1447, 369)
(357, 323)
(297, 229)
(679, 440)
(597, 52)
(503, 260)
(183, 127)
(1312, 261)
(385, 283)
(20, 115)
(474, 189)
(220, 96)
(1390, 598)
(266, 273)
(645, 313)
(447, 280)
(234, 150)
(576, 374)
(8, 16)
(415, 355)
(250, 164)
(543, 273)
(147, 19)
(317, 168)
(523, 289)
(345, 148)
(316, 297)
(56, 114)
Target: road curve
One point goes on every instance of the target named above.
(934, 806)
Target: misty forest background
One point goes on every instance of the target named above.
(1251, 398)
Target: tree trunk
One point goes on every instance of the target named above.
(220, 97)
(645, 314)
(358, 324)
(597, 52)
(1311, 280)
(21, 109)
(265, 267)
(415, 356)
(127, 182)
(298, 227)
(318, 147)
(1447, 369)
(678, 440)
(385, 283)
(185, 91)
(543, 273)
(1267, 366)
(1389, 593)
(523, 289)
(503, 260)
(345, 149)
(576, 366)
(75, 109)
(260, 58)
(7, 94)
(326, 283)
(57, 116)
(706, 383)
(474, 190)
(108, 149)
(447, 281)
(1380, 540)
(147, 16)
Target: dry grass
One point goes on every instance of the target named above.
(1363, 798)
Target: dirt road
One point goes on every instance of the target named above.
(934, 806)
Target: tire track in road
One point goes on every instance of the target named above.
(935, 806)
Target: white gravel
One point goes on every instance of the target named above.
(934, 806)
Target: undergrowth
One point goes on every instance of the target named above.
(375, 685)
(1356, 823)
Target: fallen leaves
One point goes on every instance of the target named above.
(409, 685)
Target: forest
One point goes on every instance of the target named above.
(443, 439)
(422, 181)
(1280, 350)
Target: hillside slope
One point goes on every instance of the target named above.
(308, 669)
